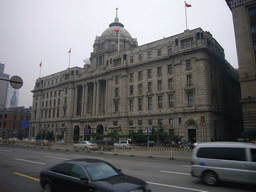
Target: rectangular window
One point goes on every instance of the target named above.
(131, 77)
(225, 153)
(150, 122)
(171, 100)
(131, 90)
(160, 121)
(116, 105)
(116, 92)
(169, 83)
(140, 88)
(116, 80)
(149, 54)
(158, 52)
(160, 102)
(171, 121)
(140, 104)
(159, 85)
(189, 79)
(131, 123)
(169, 48)
(131, 105)
(149, 73)
(188, 64)
(179, 120)
(139, 122)
(171, 131)
(253, 28)
(170, 69)
(140, 57)
(149, 87)
(190, 98)
(159, 71)
(149, 103)
(131, 59)
(140, 75)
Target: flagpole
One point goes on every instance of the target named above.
(40, 69)
(186, 15)
(69, 58)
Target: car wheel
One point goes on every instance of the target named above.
(47, 187)
(124, 147)
(75, 148)
(210, 178)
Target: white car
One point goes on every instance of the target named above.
(85, 145)
(122, 144)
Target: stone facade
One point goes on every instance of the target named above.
(182, 82)
(244, 18)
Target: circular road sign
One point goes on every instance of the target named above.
(16, 82)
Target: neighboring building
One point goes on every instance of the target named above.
(244, 18)
(14, 122)
(12, 97)
(3, 86)
(182, 82)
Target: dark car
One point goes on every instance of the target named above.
(105, 144)
(88, 175)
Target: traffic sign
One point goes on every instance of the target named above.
(16, 82)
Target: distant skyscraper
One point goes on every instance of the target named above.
(12, 99)
(3, 85)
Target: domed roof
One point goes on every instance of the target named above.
(114, 29)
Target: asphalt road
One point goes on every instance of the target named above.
(20, 168)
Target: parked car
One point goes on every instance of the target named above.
(186, 145)
(85, 145)
(149, 143)
(123, 144)
(105, 145)
(42, 142)
(224, 161)
(61, 141)
(253, 142)
(89, 175)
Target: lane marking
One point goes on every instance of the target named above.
(30, 161)
(189, 166)
(5, 150)
(36, 179)
(173, 186)
(57, 158)
(175, 173)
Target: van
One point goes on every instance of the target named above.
(224, 161)
(123, 144)
(105, 145)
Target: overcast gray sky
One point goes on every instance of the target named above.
(32, 31)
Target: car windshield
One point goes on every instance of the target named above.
(99, 171)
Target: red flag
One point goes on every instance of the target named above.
(187, 5)
(69, 51)
(116, 30)
(40, 65)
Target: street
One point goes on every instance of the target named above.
(21, 166)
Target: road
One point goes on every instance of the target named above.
(21, 166)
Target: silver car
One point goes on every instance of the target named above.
(123, 144)
(85, 145)
(224, 161)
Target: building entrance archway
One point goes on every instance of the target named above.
(76, 133)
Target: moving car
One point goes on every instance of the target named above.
(89, 175)
(123, 144)
(85, 145)
(105, 144)
(224, 161)
(42, 142)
